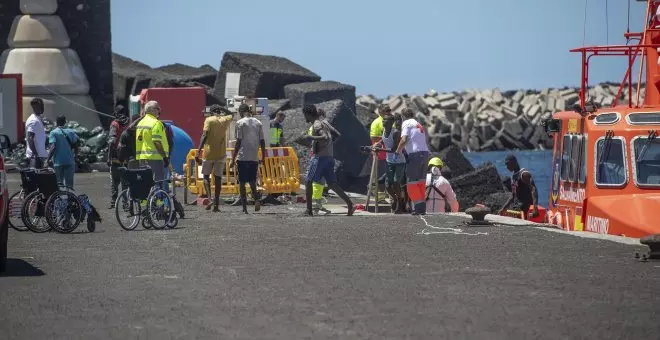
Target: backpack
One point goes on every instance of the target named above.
(170, 137)
(120, 129)
(126, 149)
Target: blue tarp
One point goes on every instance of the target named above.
(182, 145)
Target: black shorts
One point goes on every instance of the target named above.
(247, 171)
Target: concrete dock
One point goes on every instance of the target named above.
(277, 274)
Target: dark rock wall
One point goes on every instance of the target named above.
(89, 30)
(8, 11)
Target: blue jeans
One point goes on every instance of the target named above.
(64, 174)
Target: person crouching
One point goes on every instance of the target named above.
(439, 192)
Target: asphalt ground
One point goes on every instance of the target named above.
(279, 275)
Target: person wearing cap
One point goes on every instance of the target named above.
(63, 143)
(439, 192)
(413, 141)
(214, 144)
(151, 146)
(249, 137)
(276, 130)
(117, 127)
(523, 188)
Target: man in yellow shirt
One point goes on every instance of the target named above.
(376, 134)
(214, 142)
(151, 146)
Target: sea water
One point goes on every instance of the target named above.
(539, 163)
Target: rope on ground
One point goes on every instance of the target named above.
(74, 103)
(444, 230)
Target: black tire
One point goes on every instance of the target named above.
(16, 206)
(74, 208)
(173, 222)
(178, 208)
(36, 224)
(133, 210)
(160, 216)
(91, 225)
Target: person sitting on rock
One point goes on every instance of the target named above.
(439, 192)
(396, 163)
(413, 140)
(523, 188)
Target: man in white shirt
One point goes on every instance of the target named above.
(35, 139)
(413, 140)
(438, 189)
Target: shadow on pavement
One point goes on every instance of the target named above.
(20, 268)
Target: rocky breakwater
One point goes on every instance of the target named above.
(491, 120)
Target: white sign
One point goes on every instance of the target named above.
(231, 84)
(575, 196)
(598, 224)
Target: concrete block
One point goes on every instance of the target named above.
(567, 92)
(432, 102)
(509, 112)
(75, 107)
(533, 110)
(449, 104)
(38, 31)
(38, 6)
(608, 101)
(445, 96)
(302, 94)
(420, 104)
(560, 105)
(394, 102)
(431, 93)
(464, 106)
(495, 114)
(468, 96)
(518, 96)
(59, 69)
(497, 96)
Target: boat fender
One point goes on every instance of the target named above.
(555, 218)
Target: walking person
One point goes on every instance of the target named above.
(439, 192)
(151, 146)
(117, 127)
(63, 143)
(214, 144)
(35, 139)
(249, 137)
(413, 141)
(523, 188)
(322, 165)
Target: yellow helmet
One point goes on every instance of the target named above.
(436, 161)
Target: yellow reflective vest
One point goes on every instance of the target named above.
(148, 131)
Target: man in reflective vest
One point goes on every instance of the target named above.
(151, 146)
(276, 131)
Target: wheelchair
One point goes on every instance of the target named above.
(159, 204)
(48, 205)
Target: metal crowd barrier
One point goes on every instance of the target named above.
(280, 173)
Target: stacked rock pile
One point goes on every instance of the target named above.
(490, 120)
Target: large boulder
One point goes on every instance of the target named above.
(346, 148)
(476, 186)
(261, 75)
(318, 92)
(124, 72)
(455, 160)
(204, 74)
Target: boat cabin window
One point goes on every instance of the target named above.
(566, 157)
(607, 118)
(582, 177)
(646, 162)
(610, 162)
(575, 158)
(644, 118)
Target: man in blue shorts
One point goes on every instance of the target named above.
(322, 164)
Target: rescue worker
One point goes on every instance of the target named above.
(152, 148)
(249, 137)
(323, 163)
(523, 188)
(376, 134)
(396, 162)
(276, 131)
(439, 192)
(117, 127)
(413, 141)
(214, 143)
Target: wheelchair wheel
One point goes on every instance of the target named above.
(15, 211)
(64, 211)
(160, 208)
(173, 222)
(127, 211)
(146, 223)
(91, 225)
(33, 213)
